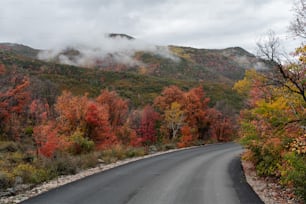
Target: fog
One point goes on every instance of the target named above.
(120, 49)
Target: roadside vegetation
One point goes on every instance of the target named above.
(273, 124)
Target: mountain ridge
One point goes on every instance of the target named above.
(227, 65)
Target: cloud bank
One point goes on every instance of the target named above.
(103, 49)
(197, 23)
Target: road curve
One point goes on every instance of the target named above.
(209, 174)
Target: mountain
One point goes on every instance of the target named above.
(120, 35)
(135, 83)
(19, 49)
(217, 65)
(215, 70)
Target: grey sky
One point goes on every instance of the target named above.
(196, 23)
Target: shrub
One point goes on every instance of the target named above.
(8, 146)
(65, 164)
(80, 144)
(25, 171)
(293, 172)
(249, 133)
(269, 160)
(31, 174)
(88, 160)
(28, 131)
(120, 152)
(168, 146)
(16, 157)
(6, 180)
(136, 152)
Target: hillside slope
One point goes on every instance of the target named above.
(223, 65)
(139, 89)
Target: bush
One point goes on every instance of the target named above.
(88, 160)
(249, 133)
(268, 160)
(169, 146)
(136, 152)
(31, 174)
(80, 144)
(65, 164)
(293, 172)
(120, 152)
(8, 146)
(16, 157)
(6, 180)
(28, 131)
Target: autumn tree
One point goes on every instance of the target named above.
(168, 96)
(98, 126)
(174, 118)
(220, 127)
(39, 111)
(13, 106)
(71, 111)
(48, 140)
(272, 124)
(193, 103)
(147, 129)
(291, 75)
(117, 107)
(187, 137)
(195, 106)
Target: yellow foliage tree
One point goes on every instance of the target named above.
(174, 118)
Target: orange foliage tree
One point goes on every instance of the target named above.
(117, 107)
(193, 103)
(71, 111)
(187, 138)
(47, 139)
(98, 126)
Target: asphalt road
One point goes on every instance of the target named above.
(209, 174)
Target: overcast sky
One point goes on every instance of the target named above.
(196, 23)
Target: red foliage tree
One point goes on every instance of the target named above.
(13, 106)
(47, 139)
(220, 127)
(98, 127)
(147, 129)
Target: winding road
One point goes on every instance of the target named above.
(209, 174)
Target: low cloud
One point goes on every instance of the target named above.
(260, 66)
(117, 50)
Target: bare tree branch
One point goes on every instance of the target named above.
(298, 25)
(291, 76)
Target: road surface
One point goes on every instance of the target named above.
(209, 174)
